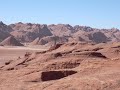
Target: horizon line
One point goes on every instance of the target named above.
(25, 22)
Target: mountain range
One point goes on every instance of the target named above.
(42, 34)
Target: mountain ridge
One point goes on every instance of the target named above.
(28, 32)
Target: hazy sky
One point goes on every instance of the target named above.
(94, 13)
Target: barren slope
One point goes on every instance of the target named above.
(72, 66)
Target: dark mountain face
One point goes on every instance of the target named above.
(98, 37)
(10, 41)
(4, 31)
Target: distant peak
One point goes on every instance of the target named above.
(19, 23)
(1, 23)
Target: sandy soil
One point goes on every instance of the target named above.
(70, 66)
(13, 52)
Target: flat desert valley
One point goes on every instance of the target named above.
(15, 52)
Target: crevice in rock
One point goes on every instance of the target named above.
(97, 54)
(57, 55)
(55, 75)
(92, 54)
(55, 47)
(10, 69)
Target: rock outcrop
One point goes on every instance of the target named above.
(4, 31)
(10, 41)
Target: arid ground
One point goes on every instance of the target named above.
(14, 52)
(59, 44)
(71, 66)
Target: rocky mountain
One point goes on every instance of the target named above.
(86, 34)
(50, 40)
(4, 31)
(10, 41)
(61, 29)
(28, 32)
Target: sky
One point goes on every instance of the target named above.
(93, 13)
